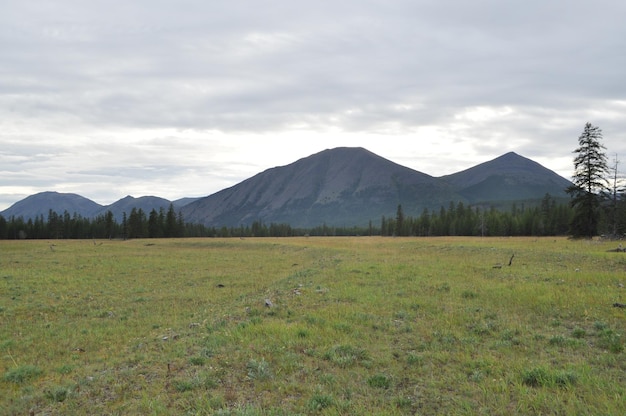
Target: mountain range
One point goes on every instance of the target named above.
(337, 187)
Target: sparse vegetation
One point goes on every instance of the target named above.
(357, 326)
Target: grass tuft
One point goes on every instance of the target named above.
(22, 374)
(320, 402)
(380, 381)
(541, 377)
(259, 370)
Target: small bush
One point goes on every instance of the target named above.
(22, 374)
(579, 333)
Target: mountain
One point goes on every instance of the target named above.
(179, 203)
(510, 177)
(126, 204)
(337, 187)
(342, 186)
(40, 204)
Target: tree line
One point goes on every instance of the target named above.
(156, 224)
(550, 217)
(597, 206)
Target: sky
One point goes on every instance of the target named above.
(185, 98)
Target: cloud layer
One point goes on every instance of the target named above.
(185, 98)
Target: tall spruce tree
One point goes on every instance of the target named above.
(589, 182)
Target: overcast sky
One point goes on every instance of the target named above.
(187, 97)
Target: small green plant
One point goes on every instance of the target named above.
(403, 402)
(600, 326)
(320, 401)
(414, 359)
(197, 361)
(65, 369)
(345, 355)
(476, 375)
(468, 294)
(579, 333)
(444, 287)
(541, 377)
(536, 377)
(259, 370)
(565, 379)
(58, 394)
(22, 374)
(380, 381)
(184, 385)
(610, 341)
(558, 340)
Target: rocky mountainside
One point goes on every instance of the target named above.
(342, 186)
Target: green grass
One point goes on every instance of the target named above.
(357, 326)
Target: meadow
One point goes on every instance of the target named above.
(308, 326)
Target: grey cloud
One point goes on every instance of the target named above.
(71, 70)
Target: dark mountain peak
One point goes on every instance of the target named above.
(507, 177)
(41, 203)
(344, 185)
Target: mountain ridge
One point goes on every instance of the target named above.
(344, 186)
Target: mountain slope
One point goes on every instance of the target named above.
(126, 204)
(507, 178)
(40, 204)
(337, 187)
(342, 186)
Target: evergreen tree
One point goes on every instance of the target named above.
(171, 222)
(154, 230)
(589, 182)
(399, 221)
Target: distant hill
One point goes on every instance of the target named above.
(510, 177)
(342, 186)
(337, 187)
(179, 203)
(126, 204)
(39, 204)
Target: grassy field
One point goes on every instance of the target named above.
(377, 326)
